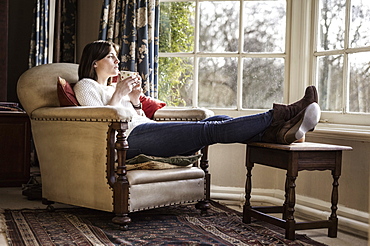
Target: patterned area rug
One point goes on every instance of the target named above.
(175, 225)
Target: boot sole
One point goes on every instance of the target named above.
(308, 122)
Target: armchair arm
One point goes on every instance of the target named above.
(182, 114)
(83, 113)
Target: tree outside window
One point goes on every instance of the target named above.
(342, 55)
(204, 62)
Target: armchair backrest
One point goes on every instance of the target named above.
(37, 87)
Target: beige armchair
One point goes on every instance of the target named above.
(77, 149)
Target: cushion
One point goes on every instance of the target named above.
(144, 162)
(66, 94)
(150, 105)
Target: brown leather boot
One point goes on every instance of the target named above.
(286, 116)
(287, 112)
(296, 128)
(287, 132)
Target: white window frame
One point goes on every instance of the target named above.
(344, 117)
(300, 66)
(239, 55)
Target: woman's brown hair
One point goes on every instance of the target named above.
(92, 53)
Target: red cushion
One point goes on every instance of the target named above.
(150, 105)
(66, 94)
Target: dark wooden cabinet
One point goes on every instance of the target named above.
(3, 49)
(15, 148)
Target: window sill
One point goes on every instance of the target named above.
(341, 131)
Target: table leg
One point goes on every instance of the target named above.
(332, 232)
(285, 205)
(248, 190)
(290, 222)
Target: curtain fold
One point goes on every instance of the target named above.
(64, 32)
(133, 25)
(39, 46)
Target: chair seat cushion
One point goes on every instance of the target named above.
(152, 176)
(153, 195)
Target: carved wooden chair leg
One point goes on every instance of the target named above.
(205, 204)
(49, 204)
(120, 185)
(122, 220)
(120, 204)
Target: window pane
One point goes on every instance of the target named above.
(217, 82)
(176, 27)
(331, 24)
(360, 27)
(330, 77)
(219, 23)
(263, 82)
(175, 77)
(265, 23)
(359, 92)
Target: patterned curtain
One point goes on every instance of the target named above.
(133, 25)
(64, 33)
(40, 34)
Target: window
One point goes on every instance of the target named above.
(247, 54)
(342, 49)
(222, 54)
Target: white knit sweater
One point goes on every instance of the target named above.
(90, 93)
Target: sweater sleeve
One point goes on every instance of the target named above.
(88, 93)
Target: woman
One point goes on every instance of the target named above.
(283, 124)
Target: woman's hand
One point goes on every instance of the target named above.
(126, 87)
(136, 91)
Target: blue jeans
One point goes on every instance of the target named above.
(185, 138)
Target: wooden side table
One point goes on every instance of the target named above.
(293, 158)
(15, 148)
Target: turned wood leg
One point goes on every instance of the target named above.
(120, 204)
(204, 205)
(285, 205)
(49, 204)
(290, 222)
(122, 220)
(204, 164)
(248, 190)
(332, 232)
(121, 184)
